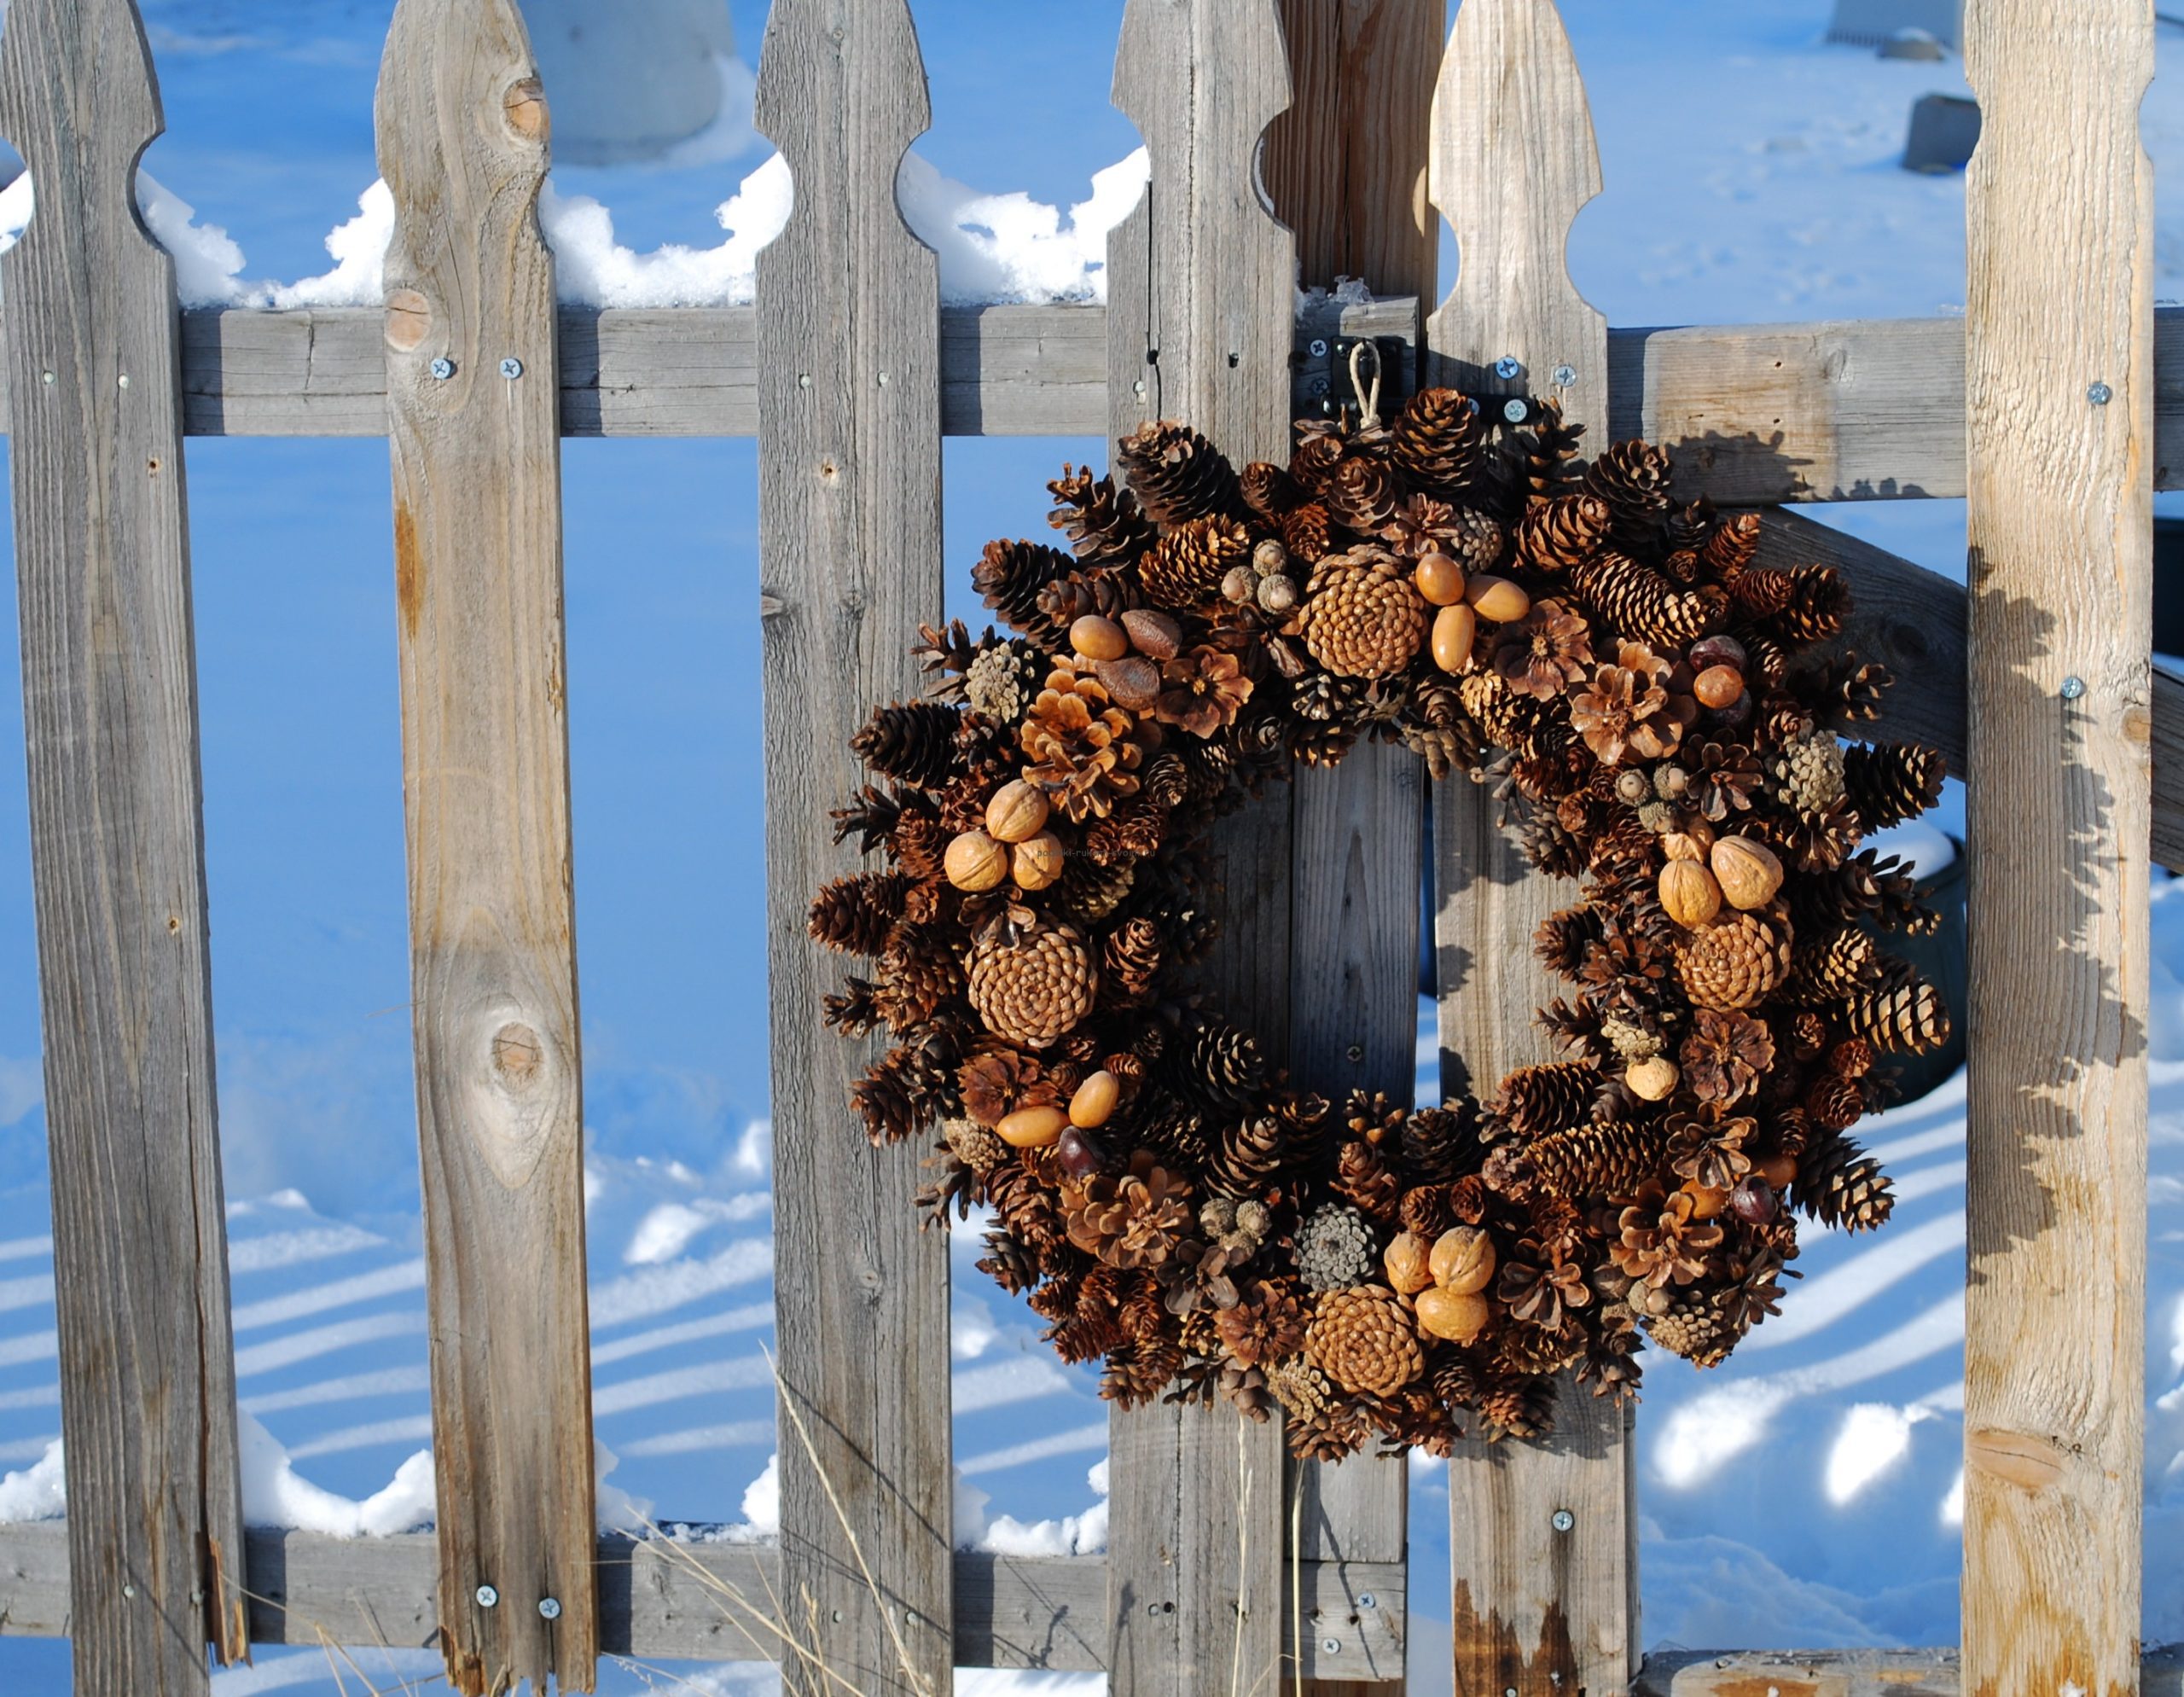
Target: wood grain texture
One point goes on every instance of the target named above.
(476, 458)
(1201, 297)
(1345, 168)
(2059, 255)
(849, 553)
(101, 536)
(1514, 162)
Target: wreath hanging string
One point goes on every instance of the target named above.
(1660, 716)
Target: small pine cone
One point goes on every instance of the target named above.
(1032, 987)
(856, 914)
(1839, 1184)
(1908, 1017)
(1526, 1349)
(1362, 1178)
(1834, 1103)
(1762, 591)
(1362, 494)
(1632, 479)
(1839, 963)
(1892, 782)
(1736, 961)
(1561, 534)
(1269, 490)
(1103, 523)
(1856, 692)
(1425, 1211)
(1329, 1434)
(1224, 1064)
(973, 1145)
(1307, 532)
(1681, 568)
(1251, 1157)
(1694, 1328)
(1767, 662)
(1598, 1161)
(913, 743)
(1811, 771)
(1130, 959)
(1438, 441)
(1300, 1387)
(1521, 1407)
(1457, 1379)
(1138, 1372)
(1727, 552)
(915, 980)
(1363, 618)
(1334, 1248)
(1440, 1144)
(1024, 1199)
(1473, 539)
(1535, 1100)
(1068, 599)
(1639, 602)
(1563, 939)
(1820, 606)
(1177, 474)
(1010, 575)
(1186, 564)
(1091, 892)
(1319, 451)
(1010, 1264)
(1853, 1058)
(1509, 720)
(1364, 1341)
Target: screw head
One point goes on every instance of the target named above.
(2073, 687)
(442, 368)
(511, 368)
(487, 1596)
(1138, 387)
(1508, 368)
(1356, 1052)
(1332, 1646)
(1564, 1519)
(1319, 348)
(837, 1617)
(1515, 410)
(2100, 394)
(549, 1608)
(49, 377)
(125, 380)
(1565, 376)
(129, 1590)
(1367, 1600)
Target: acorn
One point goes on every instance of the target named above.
(1270, 559)
(1462, 1260)
(1277, 593)
(1409, 1264)
(1652, 1078)
(1689, 894)
(1753, 1200)
(1019, 809)
(1240, 585)
(1496, 599)
(975, 861)
(1077, 1154)
(1453, 629)
(1456, 1315)
(1718, 685)
(1094, 1099)
(1036, 862)
(1439, 579)
(1032, 1127)
(1749, 873)
(1154, 635)
(1098, 638)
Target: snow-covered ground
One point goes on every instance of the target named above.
(1804, 1494)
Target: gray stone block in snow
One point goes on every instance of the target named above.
(627, 81)
(1944, 130)
(1870, 22)
(1914, 44)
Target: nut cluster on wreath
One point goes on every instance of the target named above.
(1662, 716)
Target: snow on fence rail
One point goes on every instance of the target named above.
(849, 371)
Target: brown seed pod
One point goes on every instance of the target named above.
(1463, 1260)
(1098, 638)
(1689, 894)
(1439, 579)
(1132, 681)
(1154, 635)
(1455, 629)
(1032, 1127)
(975, 861)
(1094, 1101)
(1456, 1315)
(1409, 1263)
(1652, 1079)
(1019, 809)
(1749, 873)
(1036, 862)
(1496, 599)
(1718, 685)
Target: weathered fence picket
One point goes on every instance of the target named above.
(1540, 1535)
(2058, 404)
(850, 564)
(117, 857)
(472, 423)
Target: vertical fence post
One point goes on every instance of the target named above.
(1535, 1607)
(1201, 297)
(849, 559)
(1345, 168)
(117, 855)
(474, 433)
(2059, 400)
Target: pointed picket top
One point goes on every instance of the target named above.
(80, 102)
(1514, 162)
(1201, 274)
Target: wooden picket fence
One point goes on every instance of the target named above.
(1226, 1569)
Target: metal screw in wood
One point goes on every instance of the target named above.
(511, 368)
(2100, 394)
(550, 1607)
(487, 1596)
(1564, 1519)
(442, 368)
(2073, 687)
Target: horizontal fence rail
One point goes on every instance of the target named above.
(1765, 413)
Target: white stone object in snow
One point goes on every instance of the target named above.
(1868, 23)
(632, 80)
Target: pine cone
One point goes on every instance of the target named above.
(1839, 1184)
(1517, 1406)
(1535, 1100)
(913, 743)
(1694, 1328)
(1424, 1211)
(1138, 1372)
(1224, 1064)
(1003, 681)
(1362, 617)
(1437, 440)
(1031, 985)
(1560, 535)
(1440, 1144)
(1362, 1178)
(1130, 959)
(1362, 494)
(1307, 532)
(1269, 490)
(1091, 892)
(1267, 1325)
(1186, 567)
(1080, 746)
(1639, 602)
(1728, 550)
(1840, 961)
(1010, 1264)
(975, 1146)
(1612, 1159)
(1177, 474)
(1138, 1218)
(1892, 782)
(1253, 1154)
(1819, 607)
(1335, 1248)
(856, 914)
(1909, 1017)
(1364, 1341)
(1631, 479)
(914, 978)
(1103, 523)
(1810, 770)
(1734, 962)
(1009, 576)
